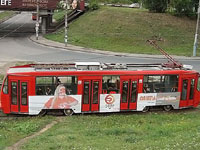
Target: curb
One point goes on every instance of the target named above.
(49, 43)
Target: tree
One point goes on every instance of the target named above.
(185, 7)
(158, 6)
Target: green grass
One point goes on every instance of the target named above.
(14, 129)
(6, 14)
(59, 15)
(117, 1)
(155, 130)
(1, 78)
(126, 30)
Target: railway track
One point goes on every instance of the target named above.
(17, 116)
(60, 114)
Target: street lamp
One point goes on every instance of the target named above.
(37, 21)
(196, 34)
(66, 25)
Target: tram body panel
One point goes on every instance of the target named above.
(31, 88)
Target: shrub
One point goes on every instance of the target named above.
(185, 7)
(93, 5)
(159, 6)
(117, 1)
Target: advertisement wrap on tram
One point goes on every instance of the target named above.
(97, 88)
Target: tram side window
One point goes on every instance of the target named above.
(5, 86)
(86, 95)
(134, 91)
(157, 83)
(111, 84)
(14, 93)
(198, 85)
(171, 83)
(70, 83)
(125, 91)
(45, 85)
(95, 92)
(24, 93)
(152, 84)
(192, 89)
(184, 90)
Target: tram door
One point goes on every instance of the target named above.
(91, 88)
(129, 92)
(187, 90)
(18, 94)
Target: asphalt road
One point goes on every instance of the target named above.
(16, 46)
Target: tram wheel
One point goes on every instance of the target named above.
(68, 112)
(146, 109)
(167, 107)
(43, 112)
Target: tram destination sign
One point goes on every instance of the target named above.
(28, 4)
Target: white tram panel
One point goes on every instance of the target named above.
(158, 99)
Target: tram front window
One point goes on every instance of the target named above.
(5, 86)
(198, 85)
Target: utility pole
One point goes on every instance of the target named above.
(197, 32)
(66, 25)
(37, 21)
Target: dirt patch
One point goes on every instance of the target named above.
(17, 145)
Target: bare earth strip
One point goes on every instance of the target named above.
(17, 145)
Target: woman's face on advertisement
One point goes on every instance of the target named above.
(62, 91)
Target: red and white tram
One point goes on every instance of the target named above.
(97, 87)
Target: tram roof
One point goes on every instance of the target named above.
(91, 66)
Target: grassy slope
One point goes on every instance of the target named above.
(176, 130)
(14, 129)
(59, 15)
(6, 14)
(126, 30)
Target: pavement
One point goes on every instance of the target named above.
(45, 42)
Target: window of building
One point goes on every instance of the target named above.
(111, 84)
